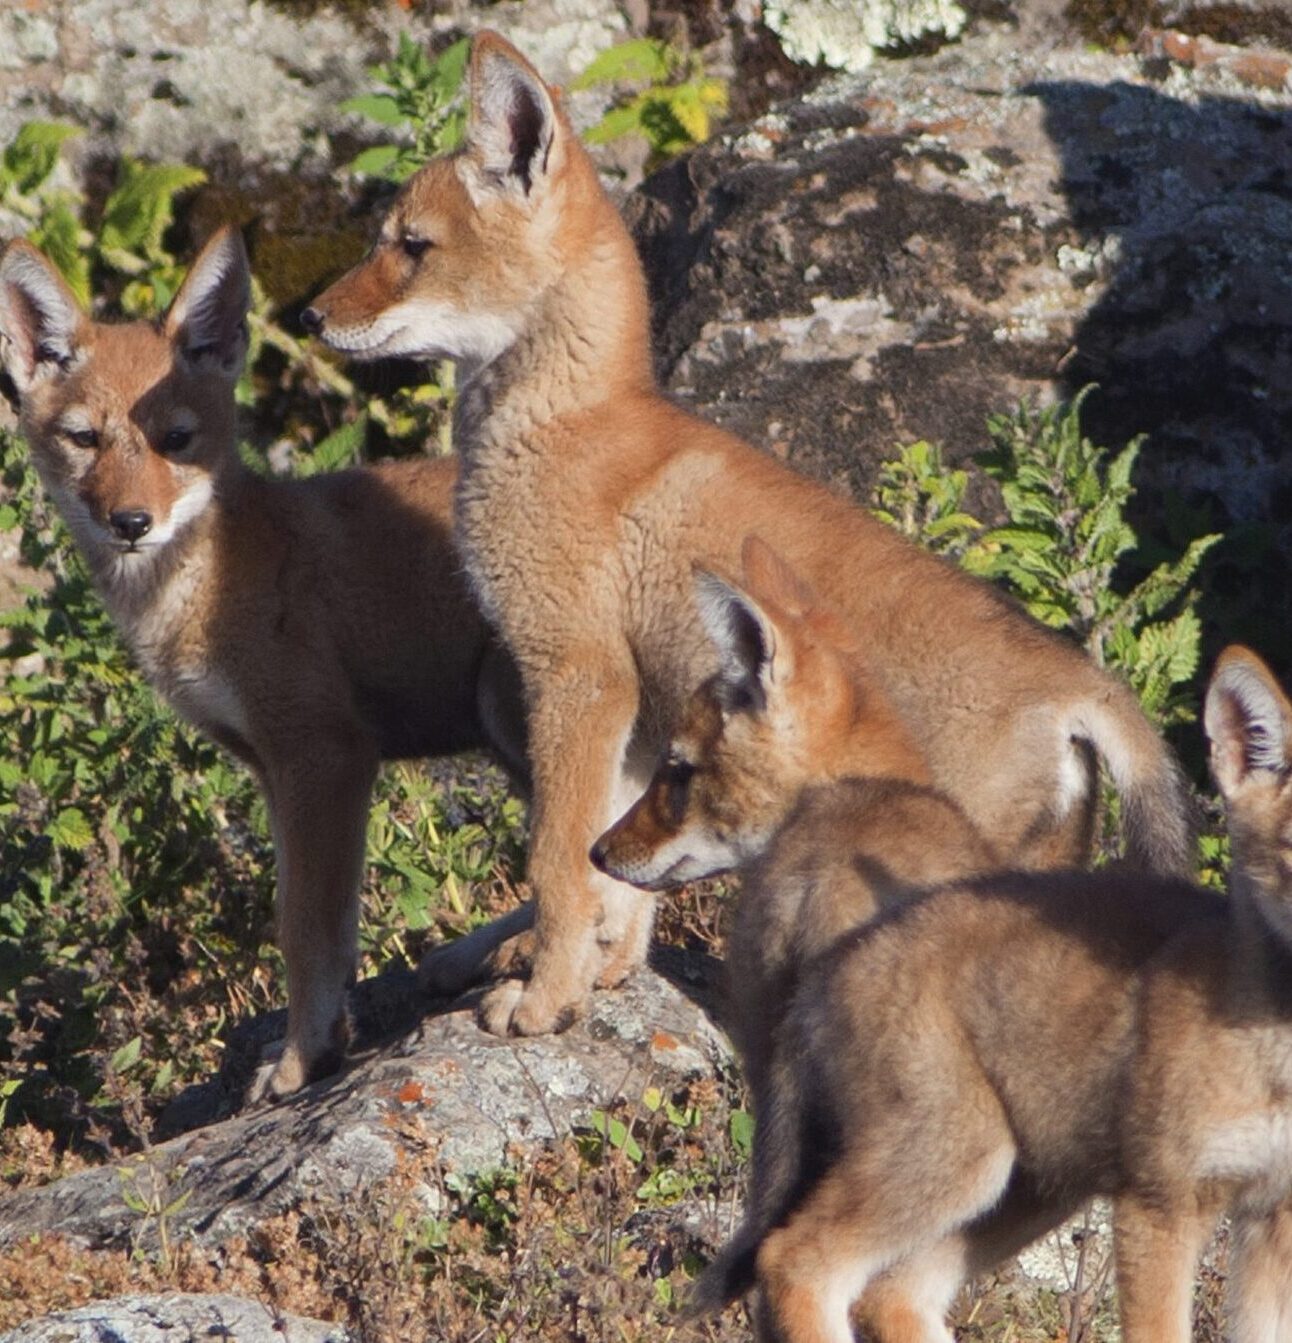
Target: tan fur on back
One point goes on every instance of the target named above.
(957, 1075)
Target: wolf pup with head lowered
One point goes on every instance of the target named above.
(955, 1077)
(585, 497)
(313, 628)
(790, 766)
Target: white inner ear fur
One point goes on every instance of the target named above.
(512, 125)
(36, 312)
(1246, 722)
(749, 651)
(211, 307)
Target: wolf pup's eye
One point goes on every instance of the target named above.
(415, 247)
(84, 438)
(176, 440)
(678, 774)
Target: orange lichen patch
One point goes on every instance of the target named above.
(1258, 67)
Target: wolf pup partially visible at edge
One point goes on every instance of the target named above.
(311, 627)
(955, 1077)
(585, 497)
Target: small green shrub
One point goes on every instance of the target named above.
(420, 98)
(1061, 552)
(676, 109)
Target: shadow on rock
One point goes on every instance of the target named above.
(1185, 211)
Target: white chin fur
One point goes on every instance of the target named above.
(677, 863)
(421, 330)
(95, 538)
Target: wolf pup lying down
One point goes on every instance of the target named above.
(953, 1078)
(583, 501)
(311, 627)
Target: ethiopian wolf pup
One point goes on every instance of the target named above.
(790, 766)
(583, 501)
(311, 627)
(956, 1076)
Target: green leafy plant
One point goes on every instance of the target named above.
(128, 240)
(1062, 549)
(676, 108)
(922, 497)
(27, 188)
(660, 1145)
(420, 98)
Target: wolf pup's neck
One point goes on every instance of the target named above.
(586, 344)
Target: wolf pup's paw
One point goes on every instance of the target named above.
(502, 948)
(276, 1076)
(519, 1008)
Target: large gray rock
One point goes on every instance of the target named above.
(480, 1100)
(175, 1317)
(242, 82)
(902, 252)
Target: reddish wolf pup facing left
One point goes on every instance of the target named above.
(311, 627)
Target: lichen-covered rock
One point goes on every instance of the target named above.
(477, 1099)
(243, 83)
(845, 34)
(175, 1317)
(903, 252)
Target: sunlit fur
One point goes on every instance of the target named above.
(584, 499)
(312, 628)
(953, 1078)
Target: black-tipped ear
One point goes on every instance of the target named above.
(39, 316)
(512, 120)
(752, 656)
(208, 318)
(1248, 720)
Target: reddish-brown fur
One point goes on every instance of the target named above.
(312, 627)
(585, 497)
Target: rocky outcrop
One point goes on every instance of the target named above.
(900, 253)
(255, 87)
(176, 1317)
(478, 1099)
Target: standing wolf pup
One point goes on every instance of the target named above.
(313, 628)
(956, 1076)
(585, 497)
(790, 766)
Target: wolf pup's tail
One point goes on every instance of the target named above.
(785, 1160)
(729, 1276)
(1159, 816)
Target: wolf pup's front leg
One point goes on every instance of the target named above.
(581, 723)
(318, 808)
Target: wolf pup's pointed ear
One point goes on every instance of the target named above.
(40, 318)
(1248, 720)
(208, 318)
(753, 655)
(512, 122)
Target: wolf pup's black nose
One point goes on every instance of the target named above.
(312, 321)
(130, 523)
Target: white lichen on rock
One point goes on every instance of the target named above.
(845, 34)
